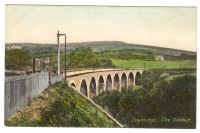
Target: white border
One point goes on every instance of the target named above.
(109, 2)
(90, 2)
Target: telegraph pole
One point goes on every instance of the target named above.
(58, 54)
(65, 58)
(58, 57)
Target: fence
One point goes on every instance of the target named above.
(55, 78)
(20, 90)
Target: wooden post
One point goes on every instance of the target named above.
(33, 64)
(65, 60)
(58, 55)
(49, 75)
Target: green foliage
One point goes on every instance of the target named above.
(70, 109)
(18, 59)
(149, 77)
(130, 54)
(113, 98)
(182, 56)
(157, 99)
(40, 51)
(185, 56)
(180, 93)
(178, 64)
(110, 46)
(83, 57)
(105, 62)
(126, 54)
(24, 121)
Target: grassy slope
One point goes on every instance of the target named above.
(154, 64)
(60, 106)
(169, 78)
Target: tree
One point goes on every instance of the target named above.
(149, 77)
(18, 59)
(84, 57)
(170, 99)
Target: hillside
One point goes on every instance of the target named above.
(102, 45)
(85, 57)
(165, 99)
(60, 106)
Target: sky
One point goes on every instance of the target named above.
(171, 27)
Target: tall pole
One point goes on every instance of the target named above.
(65, 60)
(58, 55)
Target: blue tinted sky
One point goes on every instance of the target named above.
(159, 26)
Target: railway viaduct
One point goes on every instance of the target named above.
(92, 82)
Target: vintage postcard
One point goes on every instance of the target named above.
(100, 66)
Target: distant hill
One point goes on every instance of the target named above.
(101, 46)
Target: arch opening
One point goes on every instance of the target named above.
(109, 83)
(83, 88)
(130, 80)
(73, 85)
(116, 82)
(138, 78)
(92, 88)
(123, 81)
(101, 85)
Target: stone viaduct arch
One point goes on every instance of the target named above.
(83, 88)
(130, 80)
(138, 78)
(116, 82)
(93, 88)
(72, 84)
(109, 82)
(123, 81)
(93, 84)
(101, 83)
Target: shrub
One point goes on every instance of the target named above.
(18, 59)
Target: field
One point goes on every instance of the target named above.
(154, 64)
